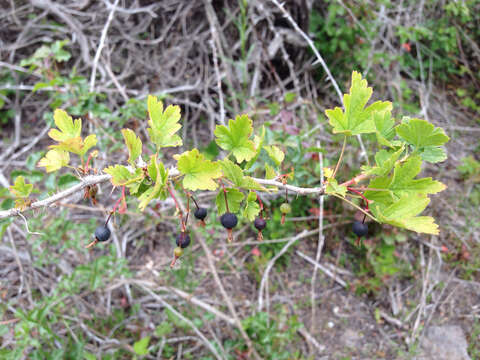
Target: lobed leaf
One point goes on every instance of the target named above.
(198, 172)
(235, 138)
(68, 129)
(134, 145)
(158, 174)
(20, 189)
(275, 154)
(403, 213)
(356, 119)
(54, 159)
(252, 208)
(122, 175)
(163, 124)
(234, 173)
(234, 198)
(421, 133)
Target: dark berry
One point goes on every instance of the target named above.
(260, 223)
(102, 233)
(285, 208)
(229, 220)
(200, 213)
(183, 240)
(359, 228)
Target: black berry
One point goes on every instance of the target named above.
(260, 223)
(229, 220)
(360, 229)
(102, 233)
(183, 240)
(200, 213)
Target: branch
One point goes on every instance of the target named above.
(86, 181)
(98, 179)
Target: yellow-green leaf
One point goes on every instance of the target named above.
(333, 188)
(252, 208)
(54, 160)
(121, 175)
(21, 189)
(163, 124)
(275, 154)
(158, 174)
(134, 145)
(403, 213)
(199, 173)
(356, 119)
(68, 129)
(236, 138)
(89, 142)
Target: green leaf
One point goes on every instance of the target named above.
(252, 208)
(385, 161)
(356, 119)
(122, 175)
(20, 189)
(134, 145)
(258, 143)
(163, 124)
(158, 174)
(433, 154)
(89, 142)
(421, 133)
(234, 173)
(384, 127)
(141, 346)
(403, 183)
(269, 172)
(199, 172)
(234, 198)
(235, 138)
(403, 213)
(68, 129)
(275, 154)
(333, 188)
(54, 160)
(67, 180)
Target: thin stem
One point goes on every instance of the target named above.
(355, 206)
(177, 206)
(225, 195)
(261, 204)
(340, 158)
(195, 201)
(116, 205)
(365, 201)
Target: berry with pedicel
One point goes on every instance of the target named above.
(177, 252)
(183, 240)
(260, 224)
(359, 228)
(200, 213)
(102, 233)
(229, 220)
(285, 209)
